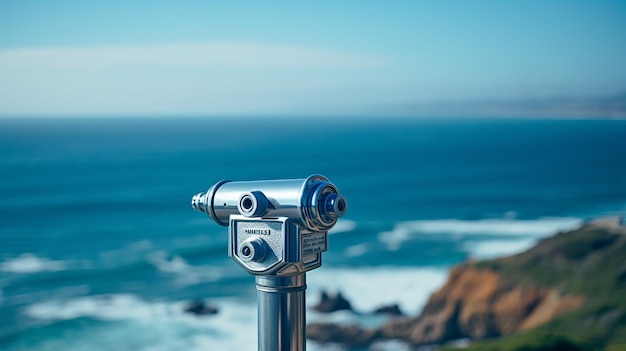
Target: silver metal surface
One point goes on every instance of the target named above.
(312, 203)
(274, 246)
(281, 319)
(277, 231)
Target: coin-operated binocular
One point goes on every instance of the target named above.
(278, 230)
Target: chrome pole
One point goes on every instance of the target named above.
(282, 314)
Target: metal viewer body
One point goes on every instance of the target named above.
(278, 230)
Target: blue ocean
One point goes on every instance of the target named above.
(101, 250)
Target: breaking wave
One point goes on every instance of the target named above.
(535, 228)
(372, 287)
(30, 263)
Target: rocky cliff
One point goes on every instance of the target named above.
(574, 283)
(479, 303)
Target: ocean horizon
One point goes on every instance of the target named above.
(101, 250)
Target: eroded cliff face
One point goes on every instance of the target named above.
(478, 303)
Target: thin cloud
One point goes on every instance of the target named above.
(182, 78)
(189, 54)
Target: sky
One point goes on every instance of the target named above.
(149, 58)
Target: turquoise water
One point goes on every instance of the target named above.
(100, 249)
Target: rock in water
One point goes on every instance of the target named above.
(199, 308)
(346, 335)
(330, 304)
(390, 310)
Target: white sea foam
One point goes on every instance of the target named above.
(120, 307)
(356, 250)
(29, 263)
(164, 326)
(126, 254)
(369, 288)
(394, 345)
(497, 248)
(160, 260)
(342, 226)
(186, 274)
(105, 307)
(536, 228)
(155, 326)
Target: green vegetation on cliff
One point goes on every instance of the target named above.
(589, 262)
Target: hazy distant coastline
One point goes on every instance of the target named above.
(565, 107)
(607, 107)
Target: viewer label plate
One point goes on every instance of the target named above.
(314, 243)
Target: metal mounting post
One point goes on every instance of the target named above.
(282, 313)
